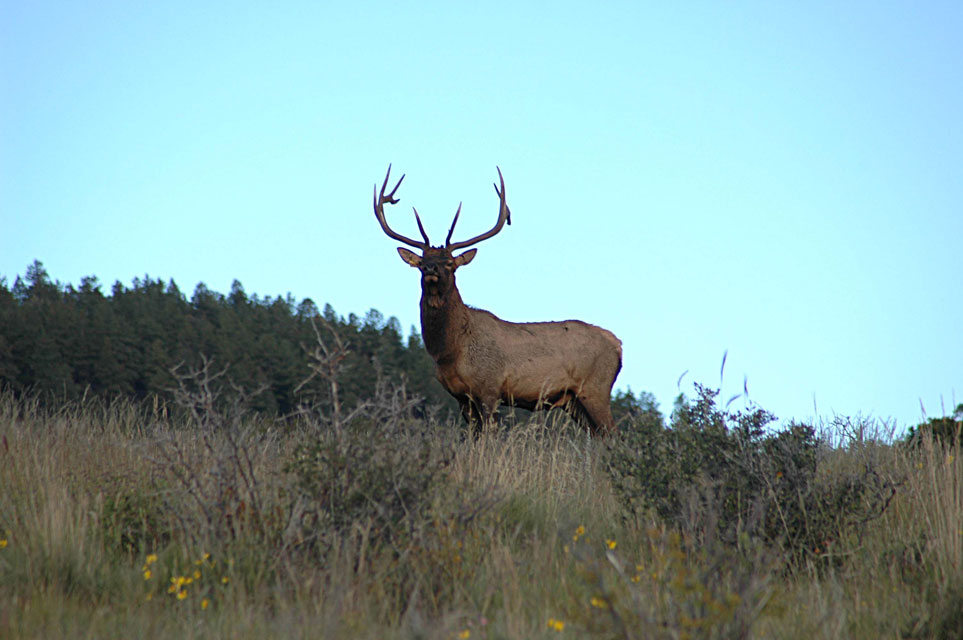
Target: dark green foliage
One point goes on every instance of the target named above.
(722, 476)
(131, 522)
(65, 343)
(378, 470)
(946, 431)
(626, 407)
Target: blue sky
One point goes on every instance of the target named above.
(780, 180)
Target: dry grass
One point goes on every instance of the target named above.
(522, 538)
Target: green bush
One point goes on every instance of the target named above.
(946, 431)
(131, 520)
(380, 474)
(725, 477)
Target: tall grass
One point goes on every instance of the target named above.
(128, 520)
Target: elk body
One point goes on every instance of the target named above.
(484, 361)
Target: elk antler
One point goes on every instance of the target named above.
(504, 215)
(379, 204)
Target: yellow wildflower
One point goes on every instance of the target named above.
(598, 603)
(197, 574)
(610, 544)
(580, 531)
(558, 625)
(205, 603)
(152, 558)
(224, 580)
(147, 574)
(465, 634)
(182, 594)
(3, 543)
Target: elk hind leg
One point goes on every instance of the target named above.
(596, 414)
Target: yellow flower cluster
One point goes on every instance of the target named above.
(580, 533)
(179, 586)
(3, 543)
(598, 603)
(558, 625)
(179, 583)
(151, 559)
(638, 573)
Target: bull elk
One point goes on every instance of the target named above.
(483, 360)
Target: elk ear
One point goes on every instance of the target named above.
(464, 258)
(410, 257)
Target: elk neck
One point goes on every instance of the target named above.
(444, 317)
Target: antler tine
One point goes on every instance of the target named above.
(501, 197)
(391, 196)
(421, 228)
(453, 223)
(504, 216)
(379, 204)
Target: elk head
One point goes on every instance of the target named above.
(437, 264)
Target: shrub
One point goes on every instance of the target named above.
(946, 431)
(722, 476)
(377, 474)
(131, 519)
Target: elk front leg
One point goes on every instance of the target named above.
(468, 411)
(472, 415)
(478, 413)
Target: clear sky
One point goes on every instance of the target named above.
(780, 180)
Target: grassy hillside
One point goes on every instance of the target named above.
(132, 520)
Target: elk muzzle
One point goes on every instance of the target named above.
(429, 273)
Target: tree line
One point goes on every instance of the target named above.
(64, 342)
